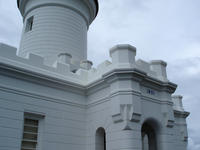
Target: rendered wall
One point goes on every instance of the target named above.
(123, 130)
(58, 27)
(118, 96)
(63, 125)
(55, 30)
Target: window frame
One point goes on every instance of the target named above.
(29, 24)
(40, 126)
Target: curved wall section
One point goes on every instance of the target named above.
(53, 27)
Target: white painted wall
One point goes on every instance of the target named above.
(119, 96)
(63, 126)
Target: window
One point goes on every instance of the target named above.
(30, 134)
(151, 92)
(32, 128)
(29, 24)
(100, 139)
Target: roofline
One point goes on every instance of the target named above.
(96, 2)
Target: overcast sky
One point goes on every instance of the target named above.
(160, 29)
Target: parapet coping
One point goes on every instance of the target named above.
(63, 71)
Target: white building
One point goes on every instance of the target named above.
(51, 98)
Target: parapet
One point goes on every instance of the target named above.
(86, 64)
(159, 67)
(122, 56)
(62, 69)
(181, 116)
(178, 104)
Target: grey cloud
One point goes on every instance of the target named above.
(192, 145)
(159, 29)
(10, 23)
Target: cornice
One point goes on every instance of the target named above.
(117, 74)
(40, 78)
(107, 78)
(142, 77)
(181, 114)
(40, 96)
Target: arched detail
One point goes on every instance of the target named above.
(149, 132)
(100, 139)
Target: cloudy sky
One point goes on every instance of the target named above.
(160, 29)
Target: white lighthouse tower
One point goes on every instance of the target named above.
(51, 98)
(56, 27)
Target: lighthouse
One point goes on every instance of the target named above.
(55, 27)
(52, 98)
